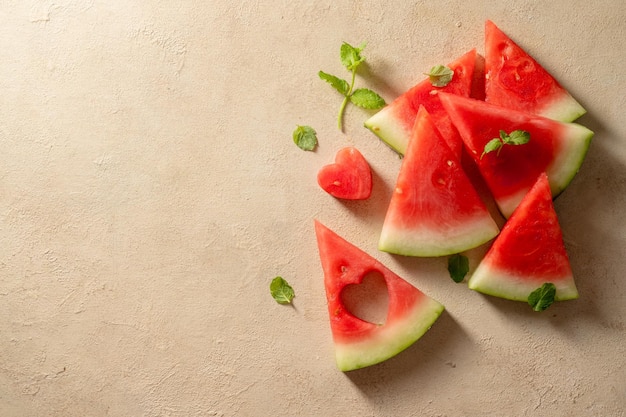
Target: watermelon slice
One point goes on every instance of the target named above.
(434, 210)
(528, 252)
(394, 123)
(350, 177)
(555, 147)
(478, 82)
(360, 343)
(515, 80)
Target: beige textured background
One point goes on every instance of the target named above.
(150, 190)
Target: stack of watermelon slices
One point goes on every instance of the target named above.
(434, 210)
(438, 207)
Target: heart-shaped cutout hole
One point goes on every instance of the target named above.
(368, 300)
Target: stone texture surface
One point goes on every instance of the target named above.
(150, 190)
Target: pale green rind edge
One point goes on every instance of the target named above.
(564, 168)
(423, 243)
(391, 340)
(387, 127)
(384, 125)
(561, 171)
(498, 283)
(567, 109)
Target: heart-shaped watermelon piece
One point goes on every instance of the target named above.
(349, 178)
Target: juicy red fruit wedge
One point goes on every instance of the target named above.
(349, 178)
(515, 80)
(359, 342)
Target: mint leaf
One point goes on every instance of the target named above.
(281, 291)
(440, 75)
(350, 56)
(542, 297)
(337, 83)
(493, 145)
(517, 137)
(458, 267)
(305, 137)
(367, 99)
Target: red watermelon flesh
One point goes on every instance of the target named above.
(359, 343)
(478, 82)
(434, 210)
(513, 79)
(350, 177)
(394, 123)
(528, 252)
(555, 147)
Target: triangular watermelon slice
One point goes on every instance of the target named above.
(360, 343)
(434, 210)
(394, 123)
(528, 252)
(555, 147)
(513, 79)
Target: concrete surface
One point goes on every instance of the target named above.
(150, 190)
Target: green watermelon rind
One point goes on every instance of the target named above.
(562, 169)
(470, 234)
(385, 126)
(565, 109)
(390, 340)
(490, 280)
(573, 158)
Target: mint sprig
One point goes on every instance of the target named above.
(543, 297)
(281, 291)
(351, 58)
(516, 137)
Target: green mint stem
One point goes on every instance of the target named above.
(346, 99)
(341, 111)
